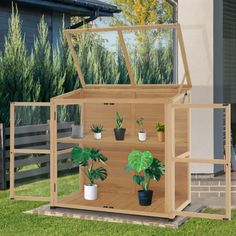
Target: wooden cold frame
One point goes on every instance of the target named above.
(158, 103)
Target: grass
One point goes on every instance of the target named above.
(14, 222)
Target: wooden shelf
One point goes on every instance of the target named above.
(120, 203)
(110, 140)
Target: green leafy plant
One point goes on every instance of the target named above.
(87, 157)
(146, 167)
(160, 127)
(119, 120)
(140, 122)
(96, 128)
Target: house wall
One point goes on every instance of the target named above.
(30, 18)
(196, 19)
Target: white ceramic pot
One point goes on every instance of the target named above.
(77, 131)
(142, 136)
(90, 192)
(97, 135)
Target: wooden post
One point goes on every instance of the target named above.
(228, 162)
(184, 56)
(169, 163)
(12, 147)
(3, 158)
(53, 153)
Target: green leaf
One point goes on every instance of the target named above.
(99, 173)
(140, 161)
(80, 156)
(138, 179)
(156, 170)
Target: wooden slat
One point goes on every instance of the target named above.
(29, 129)
(199, 215)
(122, 28)
(32, 104)
(183, 54)
(34, 199)
(207, 106)
(32, 151)
(199, 160)
(228, 159)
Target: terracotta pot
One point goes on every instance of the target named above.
(161, 136)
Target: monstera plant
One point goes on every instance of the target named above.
(146, 168)
(87, 157)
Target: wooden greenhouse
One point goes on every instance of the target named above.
(167, 103)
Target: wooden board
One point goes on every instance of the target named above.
(120, 203)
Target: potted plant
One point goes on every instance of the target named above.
(160, 129)
(87, 157)
(119, 131)
(142, 136)
(146, 167)
(97, 130)
(77, 129)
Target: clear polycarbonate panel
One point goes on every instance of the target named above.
(31, 133)
(182, 131)
(153, 55)
(69, 127)
(101, 58)
(32, 129)
(32, 175)
(207, 188)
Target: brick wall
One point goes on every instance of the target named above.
(209, 186)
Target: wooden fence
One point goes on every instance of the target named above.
(32, 137)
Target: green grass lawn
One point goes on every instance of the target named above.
(14, 222)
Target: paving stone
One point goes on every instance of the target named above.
(208, 194)
(114, 217)
(195, 194)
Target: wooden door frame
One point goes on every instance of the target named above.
(14, 150)
(186, 158)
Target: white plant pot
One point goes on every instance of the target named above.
(97, 135)
(77, 131)
(90, 192)
(142, 136)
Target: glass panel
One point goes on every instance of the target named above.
(32, 127)
(207, 190)
(32, 175)
(68, 127)
(152, 55)
(101, 58)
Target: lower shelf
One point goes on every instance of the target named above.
(119, 203)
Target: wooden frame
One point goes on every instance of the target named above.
(119, 30)
(156, 103)
(14, 150)
(185, 158)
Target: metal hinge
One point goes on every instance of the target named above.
(54, 188)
